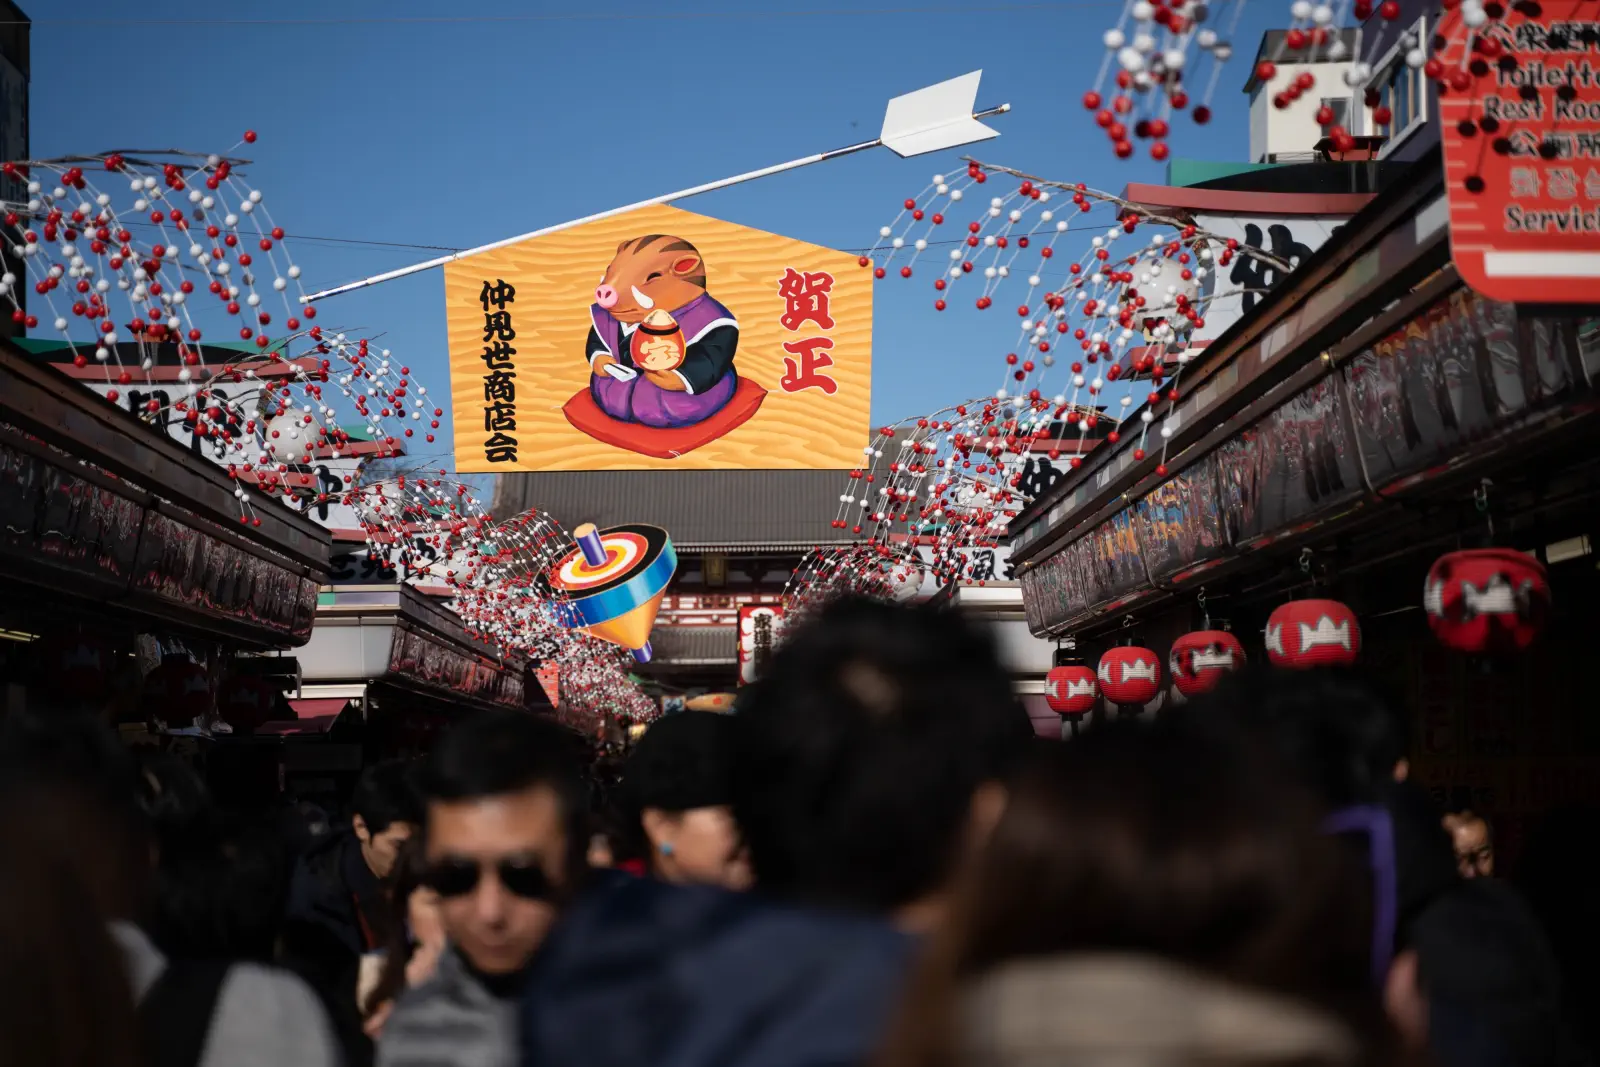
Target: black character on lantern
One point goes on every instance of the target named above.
(1257, 275)
(983, 566)
(1039, 476)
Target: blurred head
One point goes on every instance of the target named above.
(1179, 840)
(71, 1004)
(175, 799)
(222, 895)
(74, 767)
(680, 779)
(1475, 967)
(385, 813)
(1474, 848)
(1342, 740)
(869, 750)
(504, 842)
(1340, 737)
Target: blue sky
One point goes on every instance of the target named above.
(455, 133)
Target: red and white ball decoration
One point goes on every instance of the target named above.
(1130, 676)
(136, 261)
(1070, 691)
(1113, 333)
(1165, 57)
(1313, 633)
(131, 260)
(1198, 661)
(1487, 600)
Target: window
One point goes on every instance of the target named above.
(1340, 106)
(1403, 90)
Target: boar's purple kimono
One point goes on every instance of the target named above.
(711, 336)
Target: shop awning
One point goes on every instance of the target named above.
(109, 516)
(316, 717)
(395, 635)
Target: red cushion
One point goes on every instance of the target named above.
(586, 415)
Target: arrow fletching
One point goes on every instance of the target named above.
(935, 118)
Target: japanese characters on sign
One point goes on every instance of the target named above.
(1522, 160)
(758, 631)
(805, 295)
(500, 374)
(659, 340)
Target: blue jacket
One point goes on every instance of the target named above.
(641, 974)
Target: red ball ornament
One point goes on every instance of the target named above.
(1130, 675)
(1313, 633)
(1070, 691)
(1199, 660)
(1487, 600)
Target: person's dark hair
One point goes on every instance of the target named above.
(496, 753)
(859, 750)
(77, 760)
(410, 870)
(1342, 738)
(175, 800)
(1181, 840)
(223, 895)
(386, 794)
(682, 762)
(1482, 956)
(71, 1001)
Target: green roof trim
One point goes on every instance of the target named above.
(1187, 172)
(40, 346)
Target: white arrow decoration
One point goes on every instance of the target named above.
(935, 118)
(927, 120)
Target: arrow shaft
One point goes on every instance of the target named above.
(665, 198)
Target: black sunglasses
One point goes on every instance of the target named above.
(521, 877)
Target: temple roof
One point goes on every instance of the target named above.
(700, 509)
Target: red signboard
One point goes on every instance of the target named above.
(549, 676)
(1521, 129)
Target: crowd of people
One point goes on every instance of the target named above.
(873, 863)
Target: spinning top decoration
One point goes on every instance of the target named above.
(613, 581)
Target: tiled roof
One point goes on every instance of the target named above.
(722, 508)
(695, 645)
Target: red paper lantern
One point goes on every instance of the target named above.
(1130, 675)
(244, 702)
(78, 666)
(1199, 660)
(1491, 600)
(1070, 691)
(1313, 633)
(176, 692)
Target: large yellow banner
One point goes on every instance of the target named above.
(659, 340)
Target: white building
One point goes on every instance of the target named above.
(1290, 134)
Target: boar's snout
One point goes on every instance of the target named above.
(605, 296)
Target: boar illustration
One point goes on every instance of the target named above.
(660, 349)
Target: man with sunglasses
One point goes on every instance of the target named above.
(504, 844)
